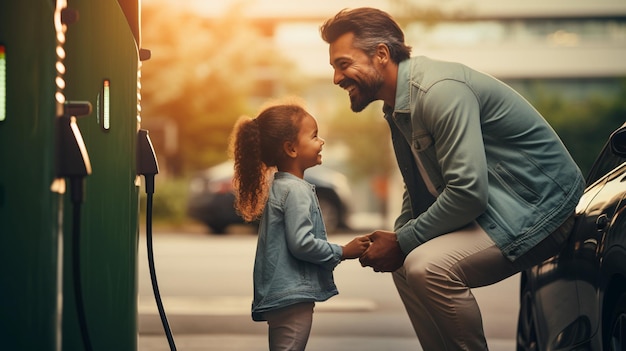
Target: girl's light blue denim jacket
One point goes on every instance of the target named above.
(294, 261)
(490, 155)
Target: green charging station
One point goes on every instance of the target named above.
(69, 67)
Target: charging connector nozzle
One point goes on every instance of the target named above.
(147, 164)
(72, 159)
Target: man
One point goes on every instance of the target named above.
(490, 190)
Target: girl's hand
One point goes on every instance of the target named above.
(355, 248)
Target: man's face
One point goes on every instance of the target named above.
(355, 72)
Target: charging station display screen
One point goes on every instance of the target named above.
(3, 83)
(106, 112)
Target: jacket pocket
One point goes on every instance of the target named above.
(515, 185)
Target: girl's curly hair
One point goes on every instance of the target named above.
(257, 146)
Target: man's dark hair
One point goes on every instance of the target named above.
(370, 27)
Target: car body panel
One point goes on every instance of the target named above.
(566, 300)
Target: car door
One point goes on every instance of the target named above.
(564, 290)
(600, 209)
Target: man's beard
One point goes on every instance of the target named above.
(359, 101)
(365, 92)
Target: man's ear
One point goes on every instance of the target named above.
(289, 148)
(382, 54)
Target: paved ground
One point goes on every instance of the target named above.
(259, 343)
(217, 319)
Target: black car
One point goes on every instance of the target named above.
(211, 198)
(577, 299)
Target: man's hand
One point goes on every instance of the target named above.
(384, 253)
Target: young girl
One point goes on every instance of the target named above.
(294, 261)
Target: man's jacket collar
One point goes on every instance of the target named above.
(403, 100)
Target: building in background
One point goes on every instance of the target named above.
(573, 48)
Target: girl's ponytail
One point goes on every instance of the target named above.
(250, 176)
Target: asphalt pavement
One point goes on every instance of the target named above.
(204, 316)
(240, 342)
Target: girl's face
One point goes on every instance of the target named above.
(309, 144)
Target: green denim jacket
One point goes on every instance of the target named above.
(489, 154)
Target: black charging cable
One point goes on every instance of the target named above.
(72, 161)
(76, 185)
(148, 167)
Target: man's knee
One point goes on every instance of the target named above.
(418, 274)
(425, 277)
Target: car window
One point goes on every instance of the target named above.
(605, 162)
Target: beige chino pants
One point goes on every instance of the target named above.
(436, 279)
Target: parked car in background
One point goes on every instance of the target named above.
(577, 299)
(211, 198)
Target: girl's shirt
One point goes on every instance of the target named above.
(294, 261)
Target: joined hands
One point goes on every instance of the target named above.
(379, 250)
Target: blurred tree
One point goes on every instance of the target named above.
(583, 124)
(200, 79)
(367, 136)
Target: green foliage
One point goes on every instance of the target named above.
(367, 136)
(199, 80)
(583, 124)
(205, 73)
(168, 202)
